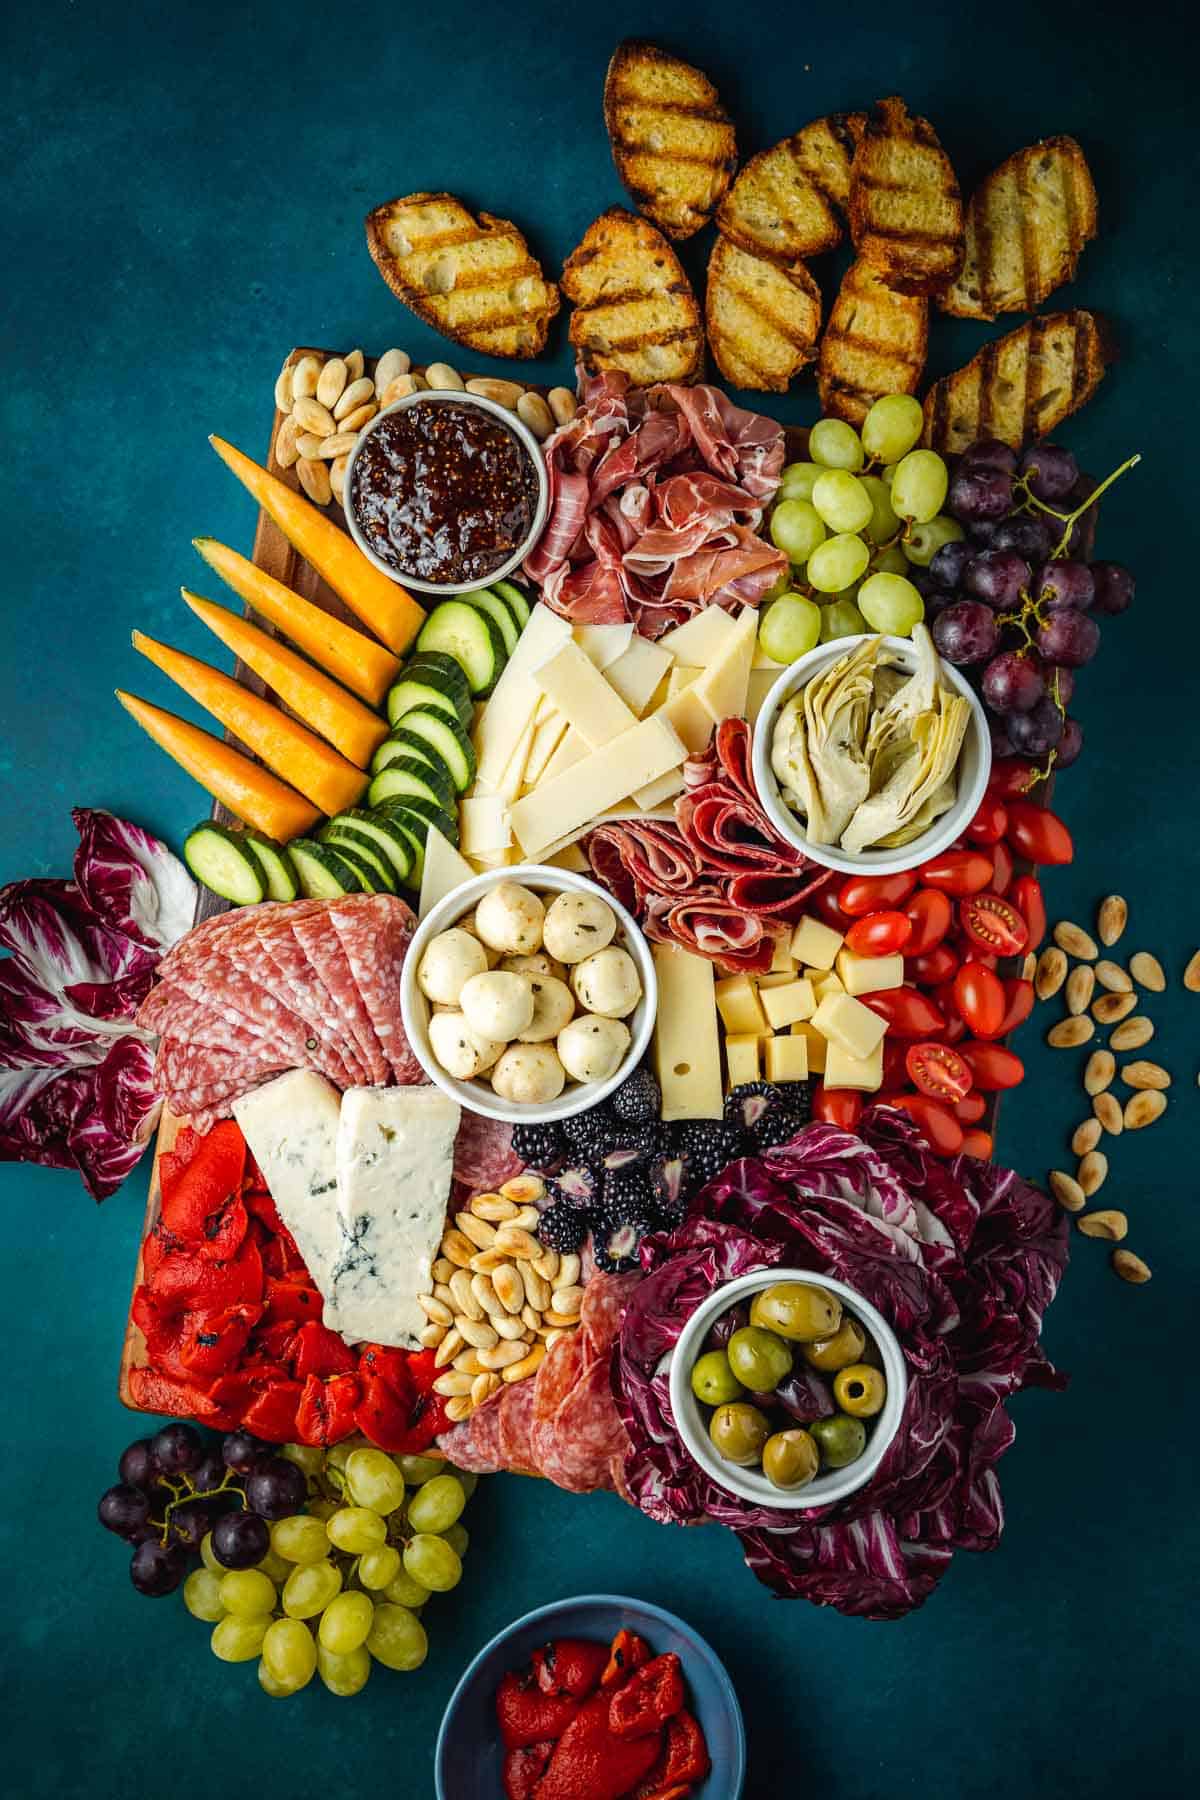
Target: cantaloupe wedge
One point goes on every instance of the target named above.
(252, 794)
(314, 768)
(358, 662)
(381, 604)
(332, 713)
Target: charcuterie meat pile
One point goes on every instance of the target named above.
(720, 876)
(307, 984)
(562, 1423)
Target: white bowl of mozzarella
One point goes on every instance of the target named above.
(536, 1074)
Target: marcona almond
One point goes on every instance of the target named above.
(464, 1295)
(467, 1363)
(1111, 1224)
(1075, 941)
(533, 411)
(444, 1294)
(400, 388)
(483, 1287)
(555, 1318)
(1107, 1109)
(1029, 966)
(443, 379)
(1130, 1267)
(1191, 975)
(504, 1356)
(355, 365)
(1132, 1034)
(458, 1248)
(340, 444)
(437, 1310)
(537, 1288)
(353, 397)
(1100, 1069)
(477, 1333)
(516, 1242)
(527, 1366)
(510, 1327)
(431, 1335)
(337, 476)
(485, 1261)
(1067, 1191)
(305, 376)
(483, 1387)
(1092, 1172)
(494, 387)
(523, 1189)
(1110, 1007)
(362, 415)
(1112, 918)
(442, 1269)
(283, 389)
(481, 1234)
(1112, 976)
(493, 1207)
(1145, 1075)
(285, 443)
(459, 1408)
(391, 364)
(531, 1320)
(314, 479)
(528, 1218)
(1086, 1135)
(1147, 971)
(308, 443)
(331, 382)
(562, 404)
(1070, 1032)
(547, 1264)
(1081, 984)
(568, 1271)
(448, 1349)
(310, 415)
(1051, 972)
(1142, 1108)
(452, 1384)
(509, 1287)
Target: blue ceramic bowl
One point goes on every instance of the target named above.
(469, 1754)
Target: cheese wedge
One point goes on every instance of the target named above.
(443, 871)
(515, 698)
(701, 639)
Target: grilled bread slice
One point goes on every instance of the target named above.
(1021, 386)
(1026, 228)
(763, 320)
(472, 279)
(786, 201)
(634, 308)
(672, 140)
(906, 213)
(874, 344)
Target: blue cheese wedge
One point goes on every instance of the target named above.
(291, 1126)
(395, 1162)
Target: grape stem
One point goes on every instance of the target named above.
(1068, 520)
(183, 1491)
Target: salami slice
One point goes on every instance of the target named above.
(483, 1153)
(551, 1385)
(320, 942)
(714, 927)
(588, 1433)
(604, 1301)
(474, 1446)
(516, 1419)
(778, 897)
(375, 930)
(296, 981)
(730, 834)
(655, 857)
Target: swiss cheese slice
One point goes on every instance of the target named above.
(602, 779)
(687, 1050)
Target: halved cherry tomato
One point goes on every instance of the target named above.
(929, 912)
(870, 893)
(935, 1121)
(971, 1108)
(979, 997)
(993, 924)
(906, 1011)
(1027, 897)
(938, 1071)
(822, 902)
(1012, 776)
(990, 822)
(934, 967)
(879, 934)
(1037, 834)
(958, 871)
(1018, 994)
(977, 1143)
(837, 1106)
(994, 1067)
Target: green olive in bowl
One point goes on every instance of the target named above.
(837, 1352)
(840, 1439)
(790, 1459)
(860, 1390)
(713, 1381)
(738, 1432)
(796, 1310)
(759, 1359)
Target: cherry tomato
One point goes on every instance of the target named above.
(993, 925)
(1011, 777)
(930, 914)
(956, 1029)
(837, 1106)
(1002, 868)
(994, 1067)
(934, 967)
(971, 1108)
(1027, 898)
(1037, 834)
(936, 1122)
(977, 1143)
(979, 997)
(1018, 995)
(938, 1071)
(906, 1011)
(958, 871)
(822, 902)
(869, 893)
(895, 1074)
(879, 934)
(990, 822)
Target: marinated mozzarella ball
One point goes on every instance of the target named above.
(498, 1004)
(576, 925)
(553, 1005)
(592, 1048)
(537, 964)
(450, 960)
(529, 1073)
(455, 1046)
(607, 983)
(509, 918)
(490, 1051)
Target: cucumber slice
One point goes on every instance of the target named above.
(367, 877)
(431, 679)
(471, 638)
(408, 776)
(277, 866)
(226, 862)
(404, 743)
(414, 828)
(450, 741)
(515, 600)
(322, 872)
(499, 613)
(383, 833)
(347, 840)
(421, 811)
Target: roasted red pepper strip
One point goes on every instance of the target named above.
(318, 1351)
(327, 1409)
(652, 1695)
(156, 1393)
(570, 1666)
(628, 1652)
(213, 1342)
(272, 1416)
(206, 1183)
(589, 1761)
(523, 1769)
(527, 1716)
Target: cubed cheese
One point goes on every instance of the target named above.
(782, 960)
(845, 1071)
(785, 1005)
(741, 1057)
(774, 981)
(815, 944)
(687, 1051)
(816, 1047)
(849, 1024)
(869, 974)
(786, 1059)
(738, 1004)
(825, 982)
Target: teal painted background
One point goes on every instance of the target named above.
(183, 193)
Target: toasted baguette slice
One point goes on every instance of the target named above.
(874, 344)
(472, 279)
(785, 202)
(906, 214)
(1026, 228)
(762, 320)
(1021, 386)
(672, 140)
(634, 308)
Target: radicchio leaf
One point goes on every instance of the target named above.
(131, 880)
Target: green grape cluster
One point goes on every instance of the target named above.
(853, 522)
(343, 1584)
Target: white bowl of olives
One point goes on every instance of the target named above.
(787, 1388)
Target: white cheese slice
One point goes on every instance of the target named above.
(605, 777)
(570, 857)
(758, 687)
(513, 778)
(571, 749)
(395, 1161)
(656, 792)
(700, 639)
(637, 673)
(291, 1126)
(581, 693)
(687, 714)
(682, 675)
(603, 644)
(687, 1049)
(444, 870)
(515, 698)
(724, 683)
(484, 824)
(547, 736)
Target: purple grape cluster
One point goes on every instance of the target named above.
(1016, 601)
(175, 1488)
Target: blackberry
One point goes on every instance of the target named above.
(626, 1193)
(538, 1146)
(563, 1228)
(576, 1185)
(615, 1242)
(588, 1132)
(708, 1145)
(778, 1125)
(637, 1099)
(798, 1098)
(747, 1104)
(632, 1144)
(670, 1187)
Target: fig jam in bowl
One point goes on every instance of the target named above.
(446, 492)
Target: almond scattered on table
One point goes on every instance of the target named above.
(1132, 1034)
(1130, 1267)
(1050, 973)
(1111, 919)
(1067, 1191)
(1075, 941)
(1099, 1070)
(1092, 1172)
(1143, 1107)
(1086, 1135)
(1080, 986)
(1191, 975)
(1110, 1224)
(1070, 1032)
(1112, 976)
(1147, 971)
(1107, 1109)
(1111, 1007)
(1145, 1075)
